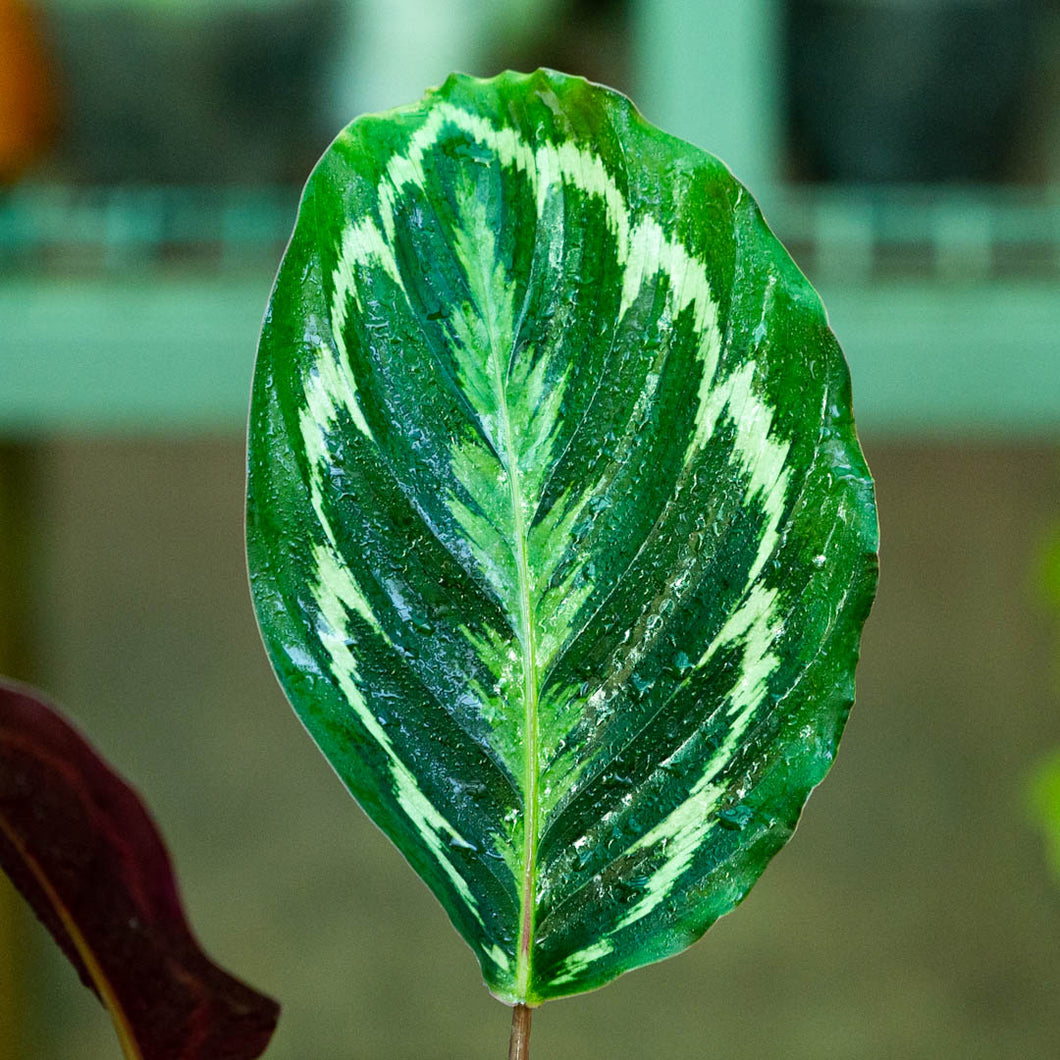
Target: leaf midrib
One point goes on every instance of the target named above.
(528, 639)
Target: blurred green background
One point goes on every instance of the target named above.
(907, 152)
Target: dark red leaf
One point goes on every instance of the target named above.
(79, 844)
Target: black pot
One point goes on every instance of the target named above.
(203, 95)
(906, 92)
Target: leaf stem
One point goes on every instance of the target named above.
(519, 1044)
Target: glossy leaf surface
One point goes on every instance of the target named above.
(559, 534)
(78, 843)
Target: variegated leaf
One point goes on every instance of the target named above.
(559, 533)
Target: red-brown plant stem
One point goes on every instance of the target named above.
(519, 1044)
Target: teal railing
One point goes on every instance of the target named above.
(128, 309)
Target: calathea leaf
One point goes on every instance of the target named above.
(559, 534)
(79, 844)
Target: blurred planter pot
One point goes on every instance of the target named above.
(906, 90)
(192, 92)
(25, 94)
